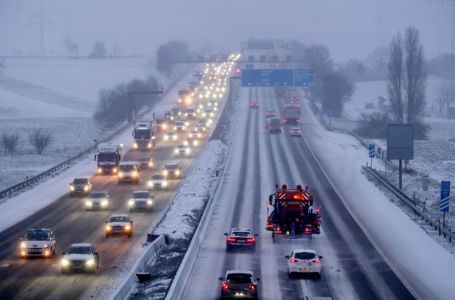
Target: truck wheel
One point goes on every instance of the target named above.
(130, 235)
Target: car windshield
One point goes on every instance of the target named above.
(144, 159)
(126, 167)
(141, 195)
(157, 177)
(180, 146)
(304, 255)
(239, 278)
(37, 235)
(79, 250)
(171, 166)
(240, 233)
(98, 195)
(119, 219)
(80, 181)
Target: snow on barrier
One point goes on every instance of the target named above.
(149, 252)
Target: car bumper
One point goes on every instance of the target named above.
(304, 269)
(35, 252)
(239, 294)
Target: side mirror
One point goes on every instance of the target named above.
(286, 256)
(220, 278)
(225, 234)
(256, 234)
(105, 222)
(96, 253)
(258, 279)
(94, 157)
(320, 256)
(63, 253)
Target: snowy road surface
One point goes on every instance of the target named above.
(352, 268)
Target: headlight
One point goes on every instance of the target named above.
(174, 137)
(135, 146)
(65, 262)
(90, 262)
(177, 172)
(131, 203)
(165, 183)
(166, 138)
(114, 170)
(187, 151)
(185, 143)
(23, 245)
(164, 126)
(134, 174)
(120, 174)
(108, 228)
(104, 203)
(86, 188)
(165, 173)
(150, 183)
(71, 188)
(99, 171)
(46, 246)
(176, 151)
(149, 145)
(127, 227)
(150, 164)
(88, 203)
(149, 202)
(195, 143)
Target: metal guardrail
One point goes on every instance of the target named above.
(410, 203)
(8, 192)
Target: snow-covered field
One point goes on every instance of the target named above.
(58, 95)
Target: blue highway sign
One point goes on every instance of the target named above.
(445, 196)
(277, 77)
(371, 150)
(303, 77)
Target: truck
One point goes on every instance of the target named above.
(291, 114)
(290, 211)
(273, 125)
(108, 157)
(185, 99)
(143, 134)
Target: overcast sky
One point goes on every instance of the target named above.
(350, 28)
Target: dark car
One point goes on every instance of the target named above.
(240, 238)
(239, 284)
(146, 162)
(80, 186)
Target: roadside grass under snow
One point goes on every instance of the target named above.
(182, 219)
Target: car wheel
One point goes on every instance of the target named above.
(317, 276)
(291, 275)
(107, 235)
(64, 271)
(130, 235)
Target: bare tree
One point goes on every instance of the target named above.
(395, 76)
(445, 96)
(336, 90)
(9, 143)
(377, 60)
(71, 47)
(98, 50)
(415, 75)
(40, 139)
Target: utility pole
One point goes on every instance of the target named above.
(41, 29)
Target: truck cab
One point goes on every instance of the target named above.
(108, 158)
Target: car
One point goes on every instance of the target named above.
(128, 171)
(182, 150)
(141, 200)
(273, 125)
(201, 127)
(119, 224)
(271, 114)
(239, 283)
(180, 126)
(190, 113)
(37, 242)
(80, 186)
(191, 142)
(145, 162)
(172, 170)
(80, 257)
(170, 136)
(295, 131)
(195, 133)
(157, 181)
(254, 104)
(98, 200)
(304, 261)
(161, 124)
(240, 238)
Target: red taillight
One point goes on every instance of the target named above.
(250, 240)
(225, 286)
(252, 287)
(231, 239)
(316, 261)
(307, 229)
(277, 228)
(293, 260)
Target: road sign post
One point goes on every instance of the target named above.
(400, 145)
(444, 202)
(371, 152)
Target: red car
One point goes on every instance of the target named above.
(254, 104)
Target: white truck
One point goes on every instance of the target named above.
(108, 158)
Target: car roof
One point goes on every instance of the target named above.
(81, 178)
(157, 174)
(98, 192)
(239, 272)
(119, 215)
(171, 164)
(128, 163)
(304, 250)
(141, 191)
(41, 229)
(243, 229)
(81, 245)
(181, 146)
(144, 158)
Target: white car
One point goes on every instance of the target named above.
(157, 181)
(304, 261)
(80, 257)
(98, 200)
(170, 136)
(119, 224)
(141, 200)
(182, 150)
(193, 142)
(37, 242)
(128, 171)
(295, 131)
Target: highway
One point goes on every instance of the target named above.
(38, 278)
(351, 267)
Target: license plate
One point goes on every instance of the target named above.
(240, 241)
